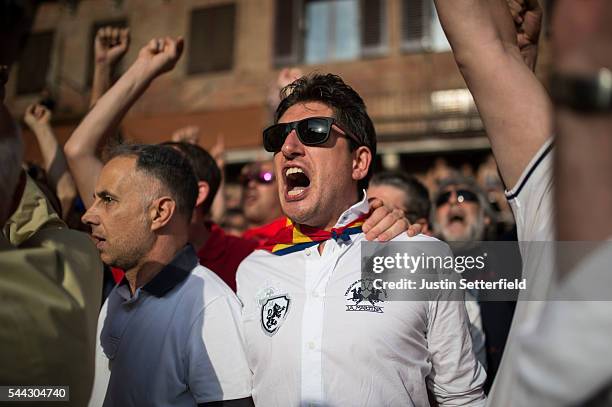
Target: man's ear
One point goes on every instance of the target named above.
(162, 210)
(203, 191)
(362, 159)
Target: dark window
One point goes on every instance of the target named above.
(286, 33)
(417, 18)
(121, 23)
(211, 40)
(34, 63)
(316, 31)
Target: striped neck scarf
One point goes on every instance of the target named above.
(293, 238)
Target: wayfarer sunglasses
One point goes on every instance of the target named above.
(463, 195)
(311, 131)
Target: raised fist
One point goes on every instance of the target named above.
(527, 15)
(37, 115)
(188, 134)
(111, 44)
(161, 54)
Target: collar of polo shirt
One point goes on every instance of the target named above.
(172, 274)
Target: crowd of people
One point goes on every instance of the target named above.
(185, 294)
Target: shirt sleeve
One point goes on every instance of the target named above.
(217, 365)
(457, 378)
(531, 198)
(566, 359)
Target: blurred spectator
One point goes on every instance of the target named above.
(404, 192)
(234, 222)
(260, 201)
(38, 119)
(461, 211)
(438, 171)
(462, 215)
(50, 280)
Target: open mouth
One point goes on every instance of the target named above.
(297, 183)
(456, 217)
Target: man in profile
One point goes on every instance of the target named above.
(170, 331)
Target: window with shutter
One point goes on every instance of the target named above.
(287, 32)
(416, 24)
(317, 31)
(211, 39)
(121, 23)
(34, 63)
(373, 21)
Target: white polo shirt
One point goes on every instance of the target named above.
(176, 342)
(308, 344)
(531, 201)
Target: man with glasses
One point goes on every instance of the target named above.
(260, 202)
(462, 215)
(304, 346)
(461, 211)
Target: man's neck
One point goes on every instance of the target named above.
(198, 234)
(154, 262)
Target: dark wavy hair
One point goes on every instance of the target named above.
(348, 107)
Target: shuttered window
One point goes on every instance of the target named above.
(211, 39)
(317, 31)
(373, 24)
(417, 16)
(286, 32)
(34, 63)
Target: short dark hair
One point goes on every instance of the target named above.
(417, 202)
(349, 108)
(166, 165)
(204, 167)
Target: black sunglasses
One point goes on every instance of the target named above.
(463, 195)
(312, 131)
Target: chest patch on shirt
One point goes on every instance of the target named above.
(363, 296)
(274, 310)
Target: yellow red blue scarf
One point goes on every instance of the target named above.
(293, 238)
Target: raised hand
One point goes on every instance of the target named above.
(111, 44)
(160, 55)
(287, 76)
(527, 16)
(37, 116)
(188, 134)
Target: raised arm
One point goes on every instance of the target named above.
(110, 45)
(513, 105)
(157, 57)
(38, 119)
